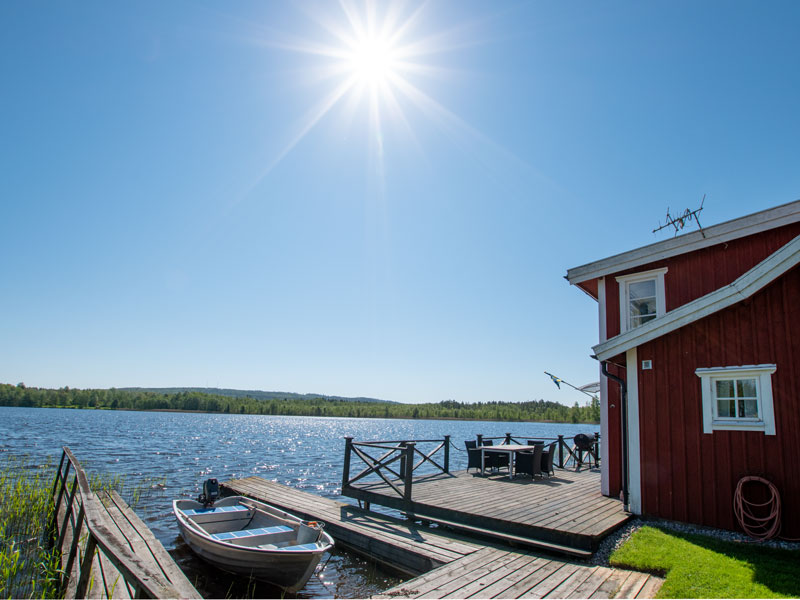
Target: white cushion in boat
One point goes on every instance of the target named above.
(215, 509)
(232, 535)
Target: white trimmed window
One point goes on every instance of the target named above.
(641, 298)
(738, 398)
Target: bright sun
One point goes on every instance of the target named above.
(372, 60)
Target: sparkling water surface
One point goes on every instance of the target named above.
(166, 455)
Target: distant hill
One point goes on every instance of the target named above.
(256, 394)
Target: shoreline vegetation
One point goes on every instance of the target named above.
(28, 567)
(294, 405)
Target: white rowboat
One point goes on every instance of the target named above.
(247, 537)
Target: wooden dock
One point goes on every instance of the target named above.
(444, 563)
(106, 550)
(564, 513)
(494, 572)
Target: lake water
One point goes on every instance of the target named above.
(171, 454)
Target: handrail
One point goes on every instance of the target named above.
(403, 452)
(137, 575)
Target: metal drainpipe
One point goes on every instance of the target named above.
(624, 393)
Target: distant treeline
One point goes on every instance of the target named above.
(115, 399)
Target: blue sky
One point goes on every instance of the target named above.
(187, 202)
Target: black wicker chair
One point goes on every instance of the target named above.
(473, 455)
(547, 461)
(530, 463)
(495, 460)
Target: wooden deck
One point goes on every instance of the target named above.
(447, 564)
(494, 572)
(566, 513)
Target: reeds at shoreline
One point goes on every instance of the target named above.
(28, 568)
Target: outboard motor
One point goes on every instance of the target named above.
(210, 492)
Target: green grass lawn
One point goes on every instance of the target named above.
(698, 566)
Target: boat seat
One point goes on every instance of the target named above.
(289, 546)
(192, 512)
(277, 535)
(301, 547)
(245, 533)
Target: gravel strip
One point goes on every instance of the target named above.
(621, 535)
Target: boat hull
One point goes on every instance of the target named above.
(286, 568)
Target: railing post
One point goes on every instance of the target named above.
(68, 516)
(508, 438)
(480, 439)
(348, 448)
(73, 550)
(63, 478)
(86, 566)
(447, 454)
(561, 451)
(408, 464)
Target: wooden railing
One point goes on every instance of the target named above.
(395, 464)
(80, 528)
(566, 455)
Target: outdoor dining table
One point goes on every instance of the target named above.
(510, 449)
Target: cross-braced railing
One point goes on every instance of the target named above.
(395, 462)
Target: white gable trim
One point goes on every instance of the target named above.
(745, 286)
(779, 216)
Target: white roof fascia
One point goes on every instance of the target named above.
(785, 214)
(745, 286)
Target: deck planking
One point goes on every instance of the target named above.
(495, 572)
(567, 509)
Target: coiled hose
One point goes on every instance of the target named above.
(759, 520)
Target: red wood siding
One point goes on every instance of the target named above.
(691, 476)
(698, 273)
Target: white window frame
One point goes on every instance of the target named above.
(624, 299)
(763, 376)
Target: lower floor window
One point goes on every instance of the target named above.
(737, 398)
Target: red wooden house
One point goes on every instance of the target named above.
(704, 331)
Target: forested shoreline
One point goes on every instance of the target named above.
(194, 401)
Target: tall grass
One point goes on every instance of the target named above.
(28, 568)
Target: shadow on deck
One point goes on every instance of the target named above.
(565, 513)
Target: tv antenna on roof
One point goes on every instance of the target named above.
(679, 222)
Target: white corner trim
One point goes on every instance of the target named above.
(634, 444)
(605, 460)
(765, 220)
(745, 286)
(624, 303)
(763, 373)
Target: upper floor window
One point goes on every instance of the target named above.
(737, 398)
(641, 298)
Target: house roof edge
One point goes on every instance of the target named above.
(764, 220)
